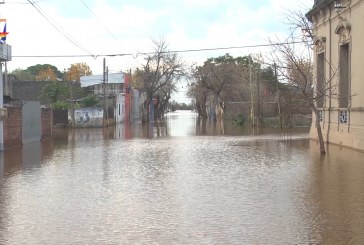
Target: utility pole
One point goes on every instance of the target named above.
(104, 90)
(278, 95)
(72, 105)
(258, 100)
(251, 93)
(127, 99)
(7, 87)
(107, 94)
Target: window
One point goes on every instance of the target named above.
(343, 116)
(344, 81)
(320, 74)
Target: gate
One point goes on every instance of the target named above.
(31, 123)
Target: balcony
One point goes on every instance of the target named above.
(5, 52)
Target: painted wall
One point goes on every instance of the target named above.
(87, 117)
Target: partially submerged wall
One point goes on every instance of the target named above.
(87, 117)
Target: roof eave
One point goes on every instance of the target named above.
(317, 7)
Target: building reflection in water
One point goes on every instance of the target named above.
(337, 193)
(256, 186)
(25, 158)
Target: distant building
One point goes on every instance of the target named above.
(338, 54)
(112, 91)
(113, 84)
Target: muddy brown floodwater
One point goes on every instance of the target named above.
(180, 181)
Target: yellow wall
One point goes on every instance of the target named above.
(325, 22)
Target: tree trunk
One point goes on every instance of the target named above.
(145, 116)
(319, 132)
(201, 109)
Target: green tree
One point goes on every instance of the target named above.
(22, 75)
(90, 101)
(39, 72)
(221, 79)
(36, 69)
(56, 91)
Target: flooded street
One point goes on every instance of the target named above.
(180, 181)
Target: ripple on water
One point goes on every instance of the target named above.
(183, 190)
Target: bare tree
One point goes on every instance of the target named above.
(294, 65)
(158, 75)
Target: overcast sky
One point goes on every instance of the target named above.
(98, 27)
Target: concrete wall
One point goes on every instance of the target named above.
(110, 89)
(88, 117)
(28, 90)
(119, 108)
(138, 99)
(267, 109)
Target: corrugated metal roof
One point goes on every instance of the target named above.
(87, 81)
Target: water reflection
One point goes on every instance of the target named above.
(337, 191)
(168, 183)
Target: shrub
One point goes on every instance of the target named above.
(90, 101)
(239, 120)
(60, 105)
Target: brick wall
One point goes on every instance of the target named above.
(46, 123)
(60, 118)
(13, 135)
(13, 128)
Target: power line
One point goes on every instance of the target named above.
(234, 47)
(107, 29)
(63, 32)
(148, 53)
(20, 2)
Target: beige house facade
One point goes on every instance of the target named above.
(338, 29)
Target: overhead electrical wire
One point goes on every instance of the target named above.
(59, 29)
(107, 29)
(149, 53)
